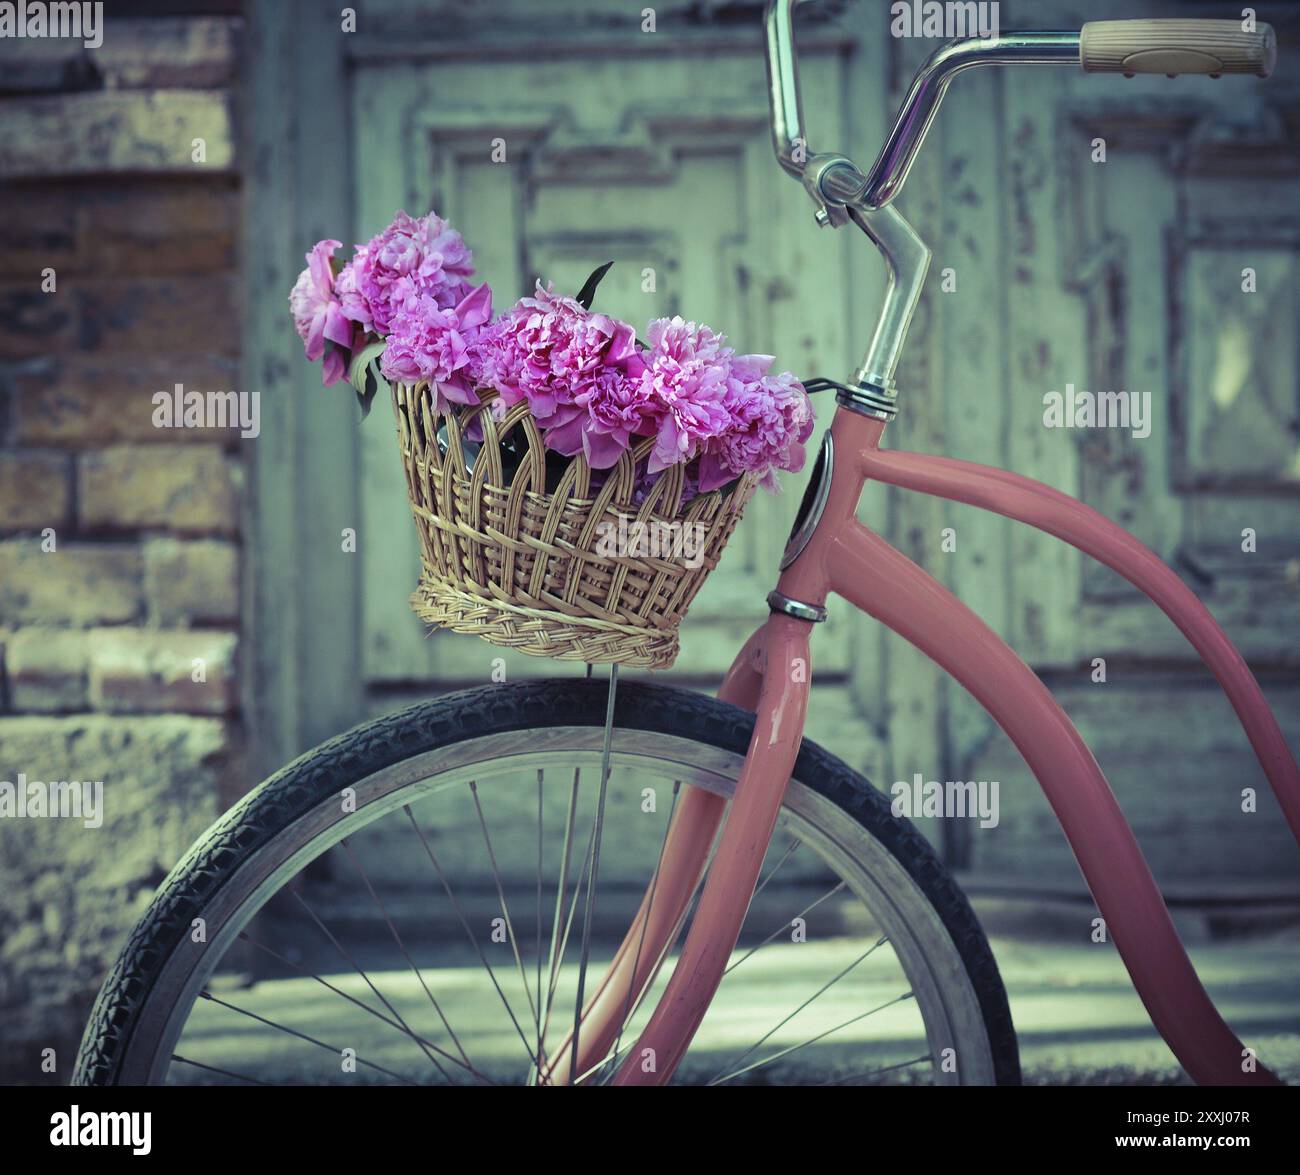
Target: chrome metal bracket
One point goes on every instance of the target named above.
(868, 397)
(832, 181)
(815, 498)
(813, 613)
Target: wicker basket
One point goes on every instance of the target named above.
(523, 566)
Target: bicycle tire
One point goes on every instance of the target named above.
(124, 1001)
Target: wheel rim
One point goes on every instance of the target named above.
(934, 974)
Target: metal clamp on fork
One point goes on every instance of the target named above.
(813, 613)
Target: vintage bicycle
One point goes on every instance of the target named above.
(529, 783)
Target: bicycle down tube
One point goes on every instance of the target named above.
(833, 553)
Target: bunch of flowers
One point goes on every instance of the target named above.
(592, 387)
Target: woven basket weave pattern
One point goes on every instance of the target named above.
(520, 566)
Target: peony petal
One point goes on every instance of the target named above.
(622, 343)
(318, 261)
(475, 308)
(314, 344)
(543, 406)
(603, 449)
(398, 366)
(337, 328)
(668, 448)
(567, 438)
(751, 367)
(334, 368)
(458, 390)
(713, 473)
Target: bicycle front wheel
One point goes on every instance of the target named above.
(413, 902)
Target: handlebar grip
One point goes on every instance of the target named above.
(1177, 46)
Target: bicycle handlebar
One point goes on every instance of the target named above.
(895, 160)
(836, 184)
(844, 193)
(783, 83)
(1177, 46)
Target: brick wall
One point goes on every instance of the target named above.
(120, 542)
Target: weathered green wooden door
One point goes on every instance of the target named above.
(1052, 269)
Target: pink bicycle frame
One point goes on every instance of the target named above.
(844, 557)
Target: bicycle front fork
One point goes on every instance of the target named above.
(770, 677)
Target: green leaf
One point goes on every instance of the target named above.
(364, 375)
(361, 360)
(588, 292)
(367, 394)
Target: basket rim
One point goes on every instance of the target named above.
(530, 566)
(519, 413)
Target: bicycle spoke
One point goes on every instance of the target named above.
(568, 922)
(556, 955)
(762, 885)
(599, 827)
(554, 962)
(780, 929)
(207, 995)
(817, 994)
(645, 924)
(811, 1040)
(877, 1072)
(375, 1012)
(338, 946)
(505, 912)
(473, 938)
(610, 1062)
(401, 946)
(222, 1072)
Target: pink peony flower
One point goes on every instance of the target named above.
(771, 418)
(499, 360)
(573, 367)
(353, 303)
(317, 314)
(410, 259)
(430, 342)
(687, 366)
(617, 407)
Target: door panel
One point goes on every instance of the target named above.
(651, 149)
(1125, 273)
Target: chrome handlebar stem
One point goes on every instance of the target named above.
(843, 192)
(846, 184)
(907, 259)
